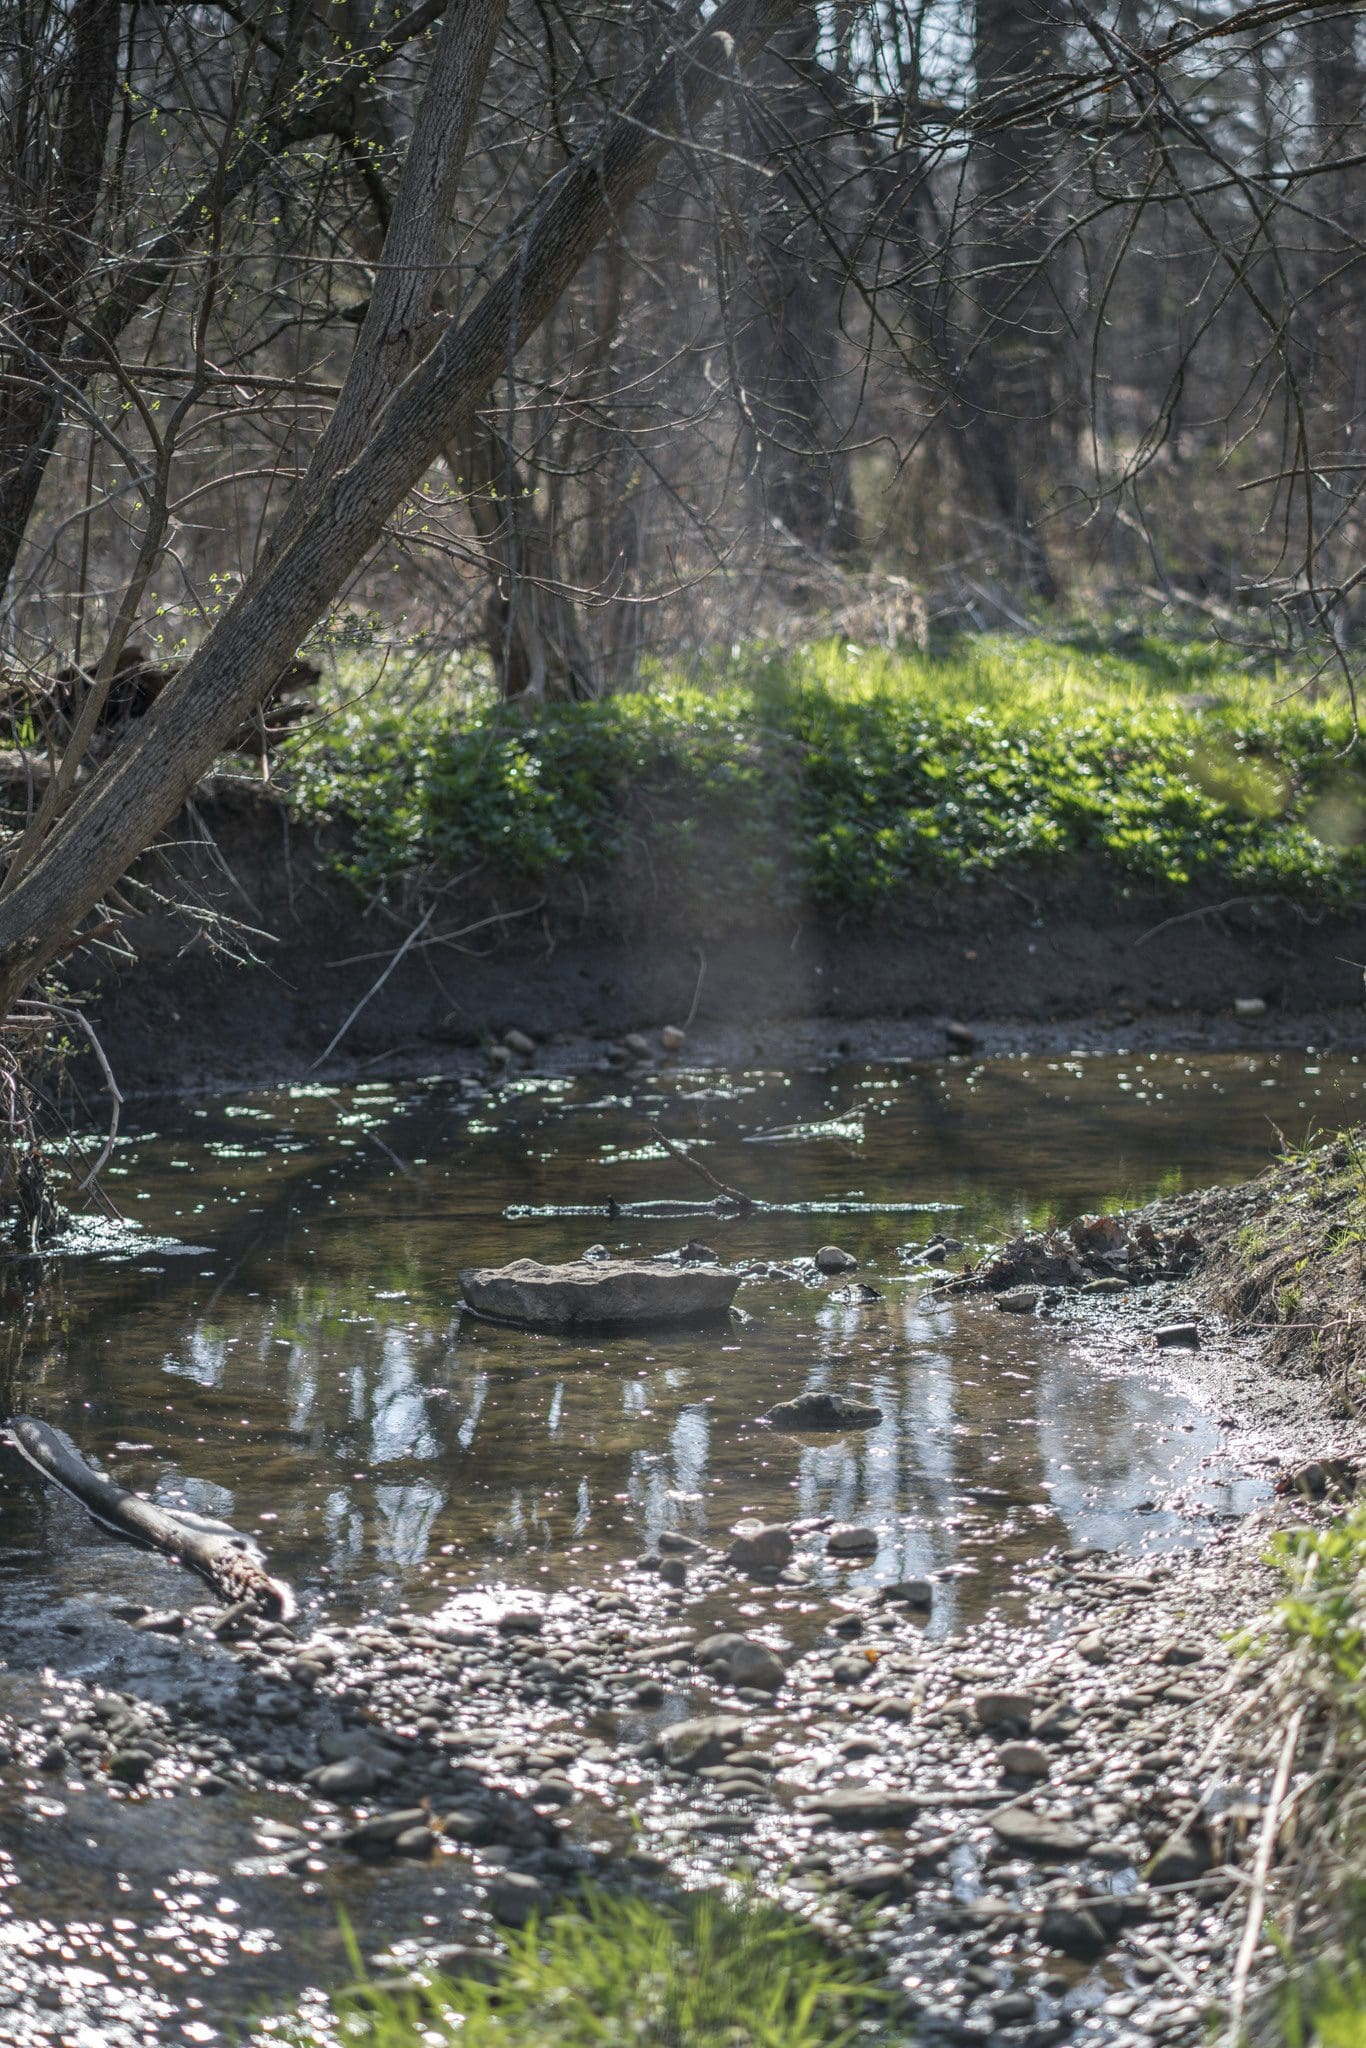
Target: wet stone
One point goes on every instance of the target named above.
(851, 1539)
(830, 1259)
(1023, 1760)
(825, 1411)
(1038, 1834)
(759, 1546)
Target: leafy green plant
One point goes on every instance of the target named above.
(1325, 1610)
(702, 1972)
(1326, 2006)
(840, 776)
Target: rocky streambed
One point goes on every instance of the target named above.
(913, 1613)
(1040, 1830)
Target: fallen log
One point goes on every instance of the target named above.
(229, 1561)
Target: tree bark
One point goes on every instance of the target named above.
(56, 161)
(135, 284)
(149, 776)
(531, 628)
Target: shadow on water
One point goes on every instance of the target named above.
(276, 1340)
(279, 1341)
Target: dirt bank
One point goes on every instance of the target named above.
(252, 979)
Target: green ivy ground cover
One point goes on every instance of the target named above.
(842, 777)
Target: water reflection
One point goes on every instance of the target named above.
(303, 1369)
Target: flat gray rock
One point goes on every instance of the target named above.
(599, 1293)
(825, 1411)
(1038, 1834)
(863, 1806)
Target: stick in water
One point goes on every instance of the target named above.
(228, 1560)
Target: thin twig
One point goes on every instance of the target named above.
(374, 988)
(743, 1202)
(1203, 910)
(1261, 1871)
(447, 938)
(82, 1022)
(697, 991)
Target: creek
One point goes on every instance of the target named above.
(270, 1333)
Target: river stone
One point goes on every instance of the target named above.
(1002, 1709)
(1023, 1760)
(863, 1806)
(825, 1411)
(621, 1293)
(916, 1593)
(1021, 1301)
(851, 1539)
(760, 1546)
(756, 1666)
(1036, 1834)
(692, 1745)
(830, 1259)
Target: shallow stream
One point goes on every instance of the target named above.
(277, 1341)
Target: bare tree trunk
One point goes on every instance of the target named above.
(1009, 378)
(532, 631)
(149, 776)
(58, 127)
(787, 318)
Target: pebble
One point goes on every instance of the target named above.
(1023, 1760)
(760, 1546)
(1021, 1301)
(1038, 1834)
(1093, 1648)
(1178, 1337)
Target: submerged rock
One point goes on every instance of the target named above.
(825, 1411)
(830, 1259)
(600, 1292)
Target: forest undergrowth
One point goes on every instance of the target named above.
(839, 776)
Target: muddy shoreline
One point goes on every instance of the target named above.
(251, 981)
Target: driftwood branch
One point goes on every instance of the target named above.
(744, 1203)
(228, 1561)
(339, 1034)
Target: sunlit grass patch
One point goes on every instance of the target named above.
(840, 776)
(702, 1972)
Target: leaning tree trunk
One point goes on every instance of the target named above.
(149, 776)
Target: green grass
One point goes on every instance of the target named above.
(1320, 1622)
(840, 777)
(612, 1970)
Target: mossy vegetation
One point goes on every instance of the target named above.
(700, 1972)
(842, 776)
